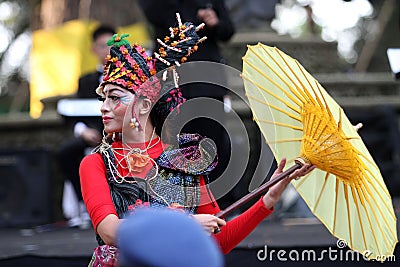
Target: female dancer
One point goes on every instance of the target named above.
(134, 167)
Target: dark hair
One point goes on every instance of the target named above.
(103, 29)
(158, 115)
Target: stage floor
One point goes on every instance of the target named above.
(60, 241)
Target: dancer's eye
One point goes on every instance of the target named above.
(113, 97)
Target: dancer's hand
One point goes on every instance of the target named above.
(208, 16)
(209, 222)
(274, 193)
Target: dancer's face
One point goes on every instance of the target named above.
(116, 103)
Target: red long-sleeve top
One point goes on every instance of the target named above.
(97, 197)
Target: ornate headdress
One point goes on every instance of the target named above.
(132, 68)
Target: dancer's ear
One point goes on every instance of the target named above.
(144, 106)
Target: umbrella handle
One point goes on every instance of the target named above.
(259, 191)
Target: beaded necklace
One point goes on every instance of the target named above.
(132, 157)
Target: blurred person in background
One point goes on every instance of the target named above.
(254, 16)
(218, 29)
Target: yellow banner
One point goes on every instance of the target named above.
(61, 55)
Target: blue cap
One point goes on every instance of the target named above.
(162, 237)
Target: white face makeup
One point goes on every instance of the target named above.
(116, 102)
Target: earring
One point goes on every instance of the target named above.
(116, 136)
(134, 124)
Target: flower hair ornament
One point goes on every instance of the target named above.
(130, 67)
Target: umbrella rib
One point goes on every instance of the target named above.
(353, 138)
(308, 126)
(285, 140)
(346, 195)
(281, 124)
(326, 104)
(302, 94)
(322, 131)
(321, 191)
(298, 93)
(331, 148)
(340, 123)
(271, 93)
(326, 136)
(340, 167)
(367, 159)
(364, 165)
(273, 82)
(383, 200)
(315, 132)
(376, 218)
(308, 95)
(314, 91)
(380, 211)
(335, 152)
(336, 204)
(342, 173)
(276, 108)
(311, 86)
(380, 182)
(353, 192)
(382, 186)
(305, 120)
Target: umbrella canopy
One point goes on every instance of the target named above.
(299, 119)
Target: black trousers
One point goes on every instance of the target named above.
(69, 157)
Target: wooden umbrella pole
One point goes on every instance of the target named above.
(259, 191)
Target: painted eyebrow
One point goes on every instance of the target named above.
(113, 90)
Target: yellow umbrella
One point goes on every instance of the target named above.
(300, 120)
